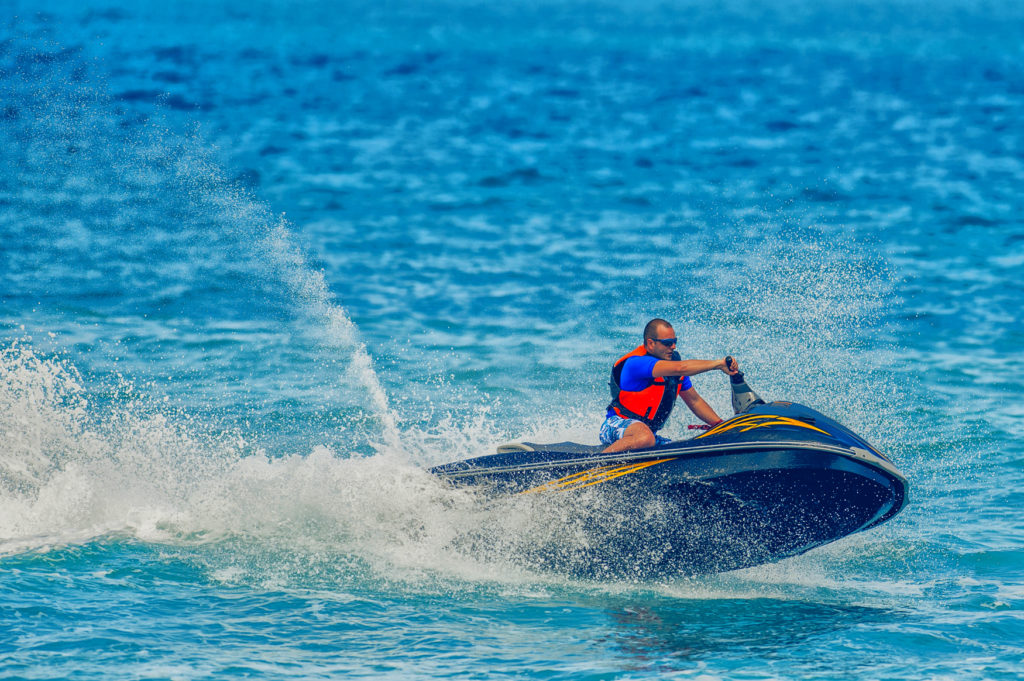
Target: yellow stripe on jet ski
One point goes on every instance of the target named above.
(745, 423)
(594, 476)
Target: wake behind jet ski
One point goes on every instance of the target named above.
(776, 480)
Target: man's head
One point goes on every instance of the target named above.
(659, 339)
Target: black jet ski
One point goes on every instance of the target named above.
(776, 480)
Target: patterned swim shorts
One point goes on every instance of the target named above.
(615, 426)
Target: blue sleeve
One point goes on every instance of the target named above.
(638, 372)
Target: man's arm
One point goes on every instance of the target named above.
(692, 367)
(699, 407)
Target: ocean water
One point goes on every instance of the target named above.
(263, 263)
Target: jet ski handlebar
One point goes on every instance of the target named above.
(743, 397)
(738, 376)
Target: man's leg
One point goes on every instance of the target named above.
(636, 436)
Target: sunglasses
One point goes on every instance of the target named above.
(667, 342)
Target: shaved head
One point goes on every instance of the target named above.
(653, 327)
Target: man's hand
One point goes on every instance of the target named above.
(730, 366)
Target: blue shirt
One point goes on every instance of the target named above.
(638, 373)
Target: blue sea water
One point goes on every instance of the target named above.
(262, 263)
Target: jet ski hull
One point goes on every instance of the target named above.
(774, 482)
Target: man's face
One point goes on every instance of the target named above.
(658, 349)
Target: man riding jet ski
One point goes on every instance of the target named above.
(645, 384)
(772, 482)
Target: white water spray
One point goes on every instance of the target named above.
(309, 286)
(270, 242)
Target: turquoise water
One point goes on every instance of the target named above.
(262, 264)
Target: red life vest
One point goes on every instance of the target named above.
(653, 404)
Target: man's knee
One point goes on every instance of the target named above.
(640, 436)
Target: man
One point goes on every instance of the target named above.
(645, 384)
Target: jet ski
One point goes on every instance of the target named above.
(776, 480)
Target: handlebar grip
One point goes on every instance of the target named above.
(728, 362)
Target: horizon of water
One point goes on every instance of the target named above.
(261, 265)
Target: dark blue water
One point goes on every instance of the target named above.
(261, 263)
